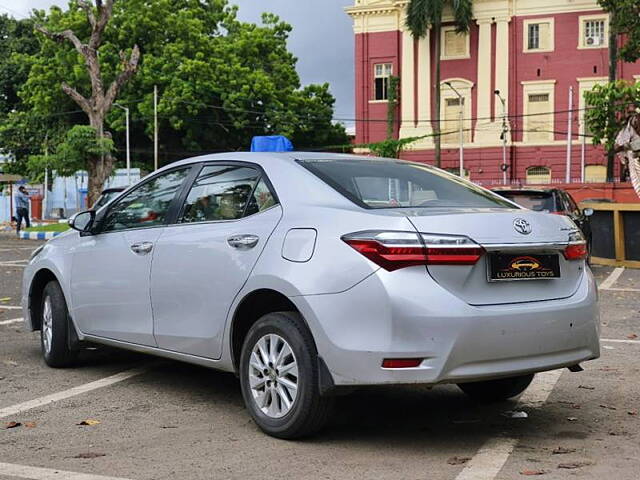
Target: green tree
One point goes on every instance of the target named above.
(625, 20)
(220, 81)
(425, 14)
(604, 121)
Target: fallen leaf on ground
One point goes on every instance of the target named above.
(10, 363)
(5, 299)
(608, 407)
(633, 412)
(90, 455)
(515, 414)
(533, 472)
(30, 424)
(573, 465)
(562, 450)
(458, 460)
(12, 425)
(89, 422)
(632, 336)
(572, 419)
(587, 387)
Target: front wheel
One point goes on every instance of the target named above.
(279, 377)
(497, 390)
(54, 330)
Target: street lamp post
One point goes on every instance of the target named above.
(505, 130)
(460, 127)
(126, 111)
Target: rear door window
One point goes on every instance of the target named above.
(536, 201)
(396, 184)
(226, 192)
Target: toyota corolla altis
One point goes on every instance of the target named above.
(310, 274)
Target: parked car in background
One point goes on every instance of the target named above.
(309, 274)
(107, 195)
(551, 200)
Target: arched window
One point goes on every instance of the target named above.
(538, 175)
(595, 174)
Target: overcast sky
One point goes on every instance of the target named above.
(322, 39)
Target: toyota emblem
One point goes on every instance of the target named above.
(522, 226)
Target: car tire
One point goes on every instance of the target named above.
(54, 331)
(496, 390)
(267, 386)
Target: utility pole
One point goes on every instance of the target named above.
(503, 136)
(460, 126)
(126, 112)
(569, 136)
(46, 178)
(155, 127)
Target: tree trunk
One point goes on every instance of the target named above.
(613, 75)
(436, 95)
(99, 171)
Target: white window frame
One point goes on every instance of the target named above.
(584, 85)
(385, 75)
(465, 87)
(583, 19)
(538, 87)
(467, 36)
(552, 35)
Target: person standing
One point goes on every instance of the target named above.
(22, 208)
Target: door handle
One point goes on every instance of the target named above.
(142, 248)
(243, 242)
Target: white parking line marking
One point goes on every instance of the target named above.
(611, 279)
(12, 265)
(635, 290)
(9, 322)
(9, 307)
(614, 340)
(487, 463)
(72, 392)
(38, 473)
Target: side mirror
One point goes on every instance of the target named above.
(83, 221)
(588, 212)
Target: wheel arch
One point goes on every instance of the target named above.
(250, 309)
(36, 289)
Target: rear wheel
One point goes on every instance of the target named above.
(55, 325)
(497, 390)
(279, 377)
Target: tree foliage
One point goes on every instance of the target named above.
(611, 105)
(220, 81)
(625, 20)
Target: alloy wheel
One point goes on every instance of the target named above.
(273, 376)
(47, 324)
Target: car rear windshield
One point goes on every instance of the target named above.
(398, 184)
(536, 201)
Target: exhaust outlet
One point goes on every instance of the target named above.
(575, 368)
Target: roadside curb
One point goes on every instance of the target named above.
(38, 235)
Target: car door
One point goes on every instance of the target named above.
(201, 263)
(110, 269)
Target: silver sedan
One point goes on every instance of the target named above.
(310, 274)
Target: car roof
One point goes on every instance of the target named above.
(525, 190)
(113, 189)
(263, 158)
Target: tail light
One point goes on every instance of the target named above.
(577, 248)
(396, 250)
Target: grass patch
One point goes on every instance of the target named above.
(53, 227)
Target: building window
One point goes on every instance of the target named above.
(538, 112)
(538, 175)
(595, 174)
(593, 31)
(382, 73)
(539, 35)
(455, 45)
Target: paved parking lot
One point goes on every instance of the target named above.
(163, 419)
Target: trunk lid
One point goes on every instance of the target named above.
(495, 230)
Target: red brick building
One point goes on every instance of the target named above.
(531, 51)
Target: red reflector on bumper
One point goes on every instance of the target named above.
(401, 362)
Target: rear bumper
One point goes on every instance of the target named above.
(411, 316)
